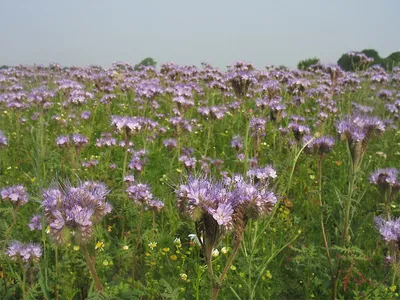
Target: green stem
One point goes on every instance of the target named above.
(92, 268)
(322, 219)
(12, 224)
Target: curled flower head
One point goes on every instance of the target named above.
(319, 145)
(35, 223)
(389, 229)
(71, 212)
(357, 130)
(237, 142)
(62, 141)
(384, 176)
(18, 251)
(16, 194)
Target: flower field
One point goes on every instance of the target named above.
(191, 182)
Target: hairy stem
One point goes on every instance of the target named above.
(92, 268)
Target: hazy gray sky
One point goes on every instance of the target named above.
(83, 32)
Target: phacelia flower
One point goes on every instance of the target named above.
(71, 212)
(16, 194)
(35, 223)
(18, 251)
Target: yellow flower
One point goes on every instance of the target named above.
(153, 263)
(173, 257)
(99, 245)
(105, 263)
(166, 249)
(393, 288)
(76, 248)
(109, 228)
(233, 268)
(125, 247)
(148, 254)
(268, 274)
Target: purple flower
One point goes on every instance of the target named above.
(3, 140)
(389, 230)
(35, 222)
(85, 115)
(18, 251)
(357, 130)
(79, 140)
(71, 212)
(156, 205)
(16, 194)
(262, 173)
(223, 214)
(188, 162)
(62, 141)
(319, 145)
(257, 126)
(384, 177)
(140, 193)
(170, 143)
(237, 142)
(106, 140)
(299, 130)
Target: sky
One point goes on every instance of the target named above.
(264, 32)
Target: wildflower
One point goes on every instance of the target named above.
(79, 140)
(18, 251)
(126, 248)
(62, 141)
(177, 242)
(3, 140)
(76, 248)
(319, 145)
(237, 142)
(183, 276)
(173, 257)
(152, 245)
(389, 230)
(224, 250)
(214, 253)
(233, 267)
(384, 177)
(35, 222)
(99, 245)
(106, 262)
(170, 143)
(71, 212)
(262, 174)
(16, 194)
(357, 130)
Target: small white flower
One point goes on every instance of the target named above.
(214, 253)
(193, 238)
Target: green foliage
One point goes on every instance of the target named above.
(147, 62)
(304, 64)
(348, 63)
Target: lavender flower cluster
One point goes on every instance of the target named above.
(18, 251)
(71, 212)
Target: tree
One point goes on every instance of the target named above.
(393, 60)
(147, 62)
(304, 64)
(3, 67)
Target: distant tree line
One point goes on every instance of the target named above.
(352, 61)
